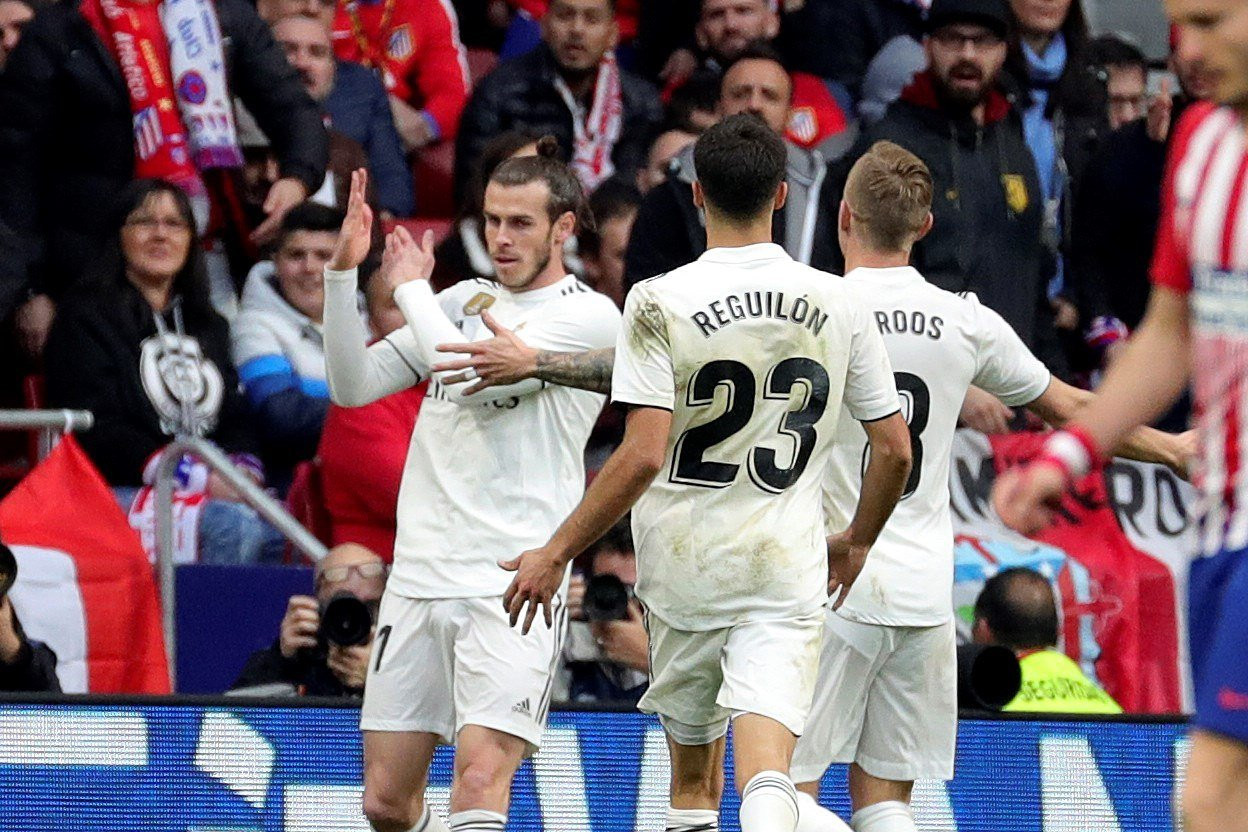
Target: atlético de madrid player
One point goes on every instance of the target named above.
(1197, 325)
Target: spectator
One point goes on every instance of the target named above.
(414, 46)
(277, 341)
(666, 147)
(725, 30)
(606, 660)
(614, 207)
(355, 105)
(361, 500)
(139, 345)
(572, 88)
(68, 141)
(301, 662)
(272, 11)
(1017, 609)
(669, 230)
(988, 211)
(1064, 118)
(15, 15)
(524, 31)
(25, 665)
(840, 40)
(1125, 72)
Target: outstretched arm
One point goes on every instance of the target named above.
(1141, 384)
(623, 479)
(505, 359)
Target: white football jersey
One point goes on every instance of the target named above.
(485, 482)
(756, 355)
(939, 344)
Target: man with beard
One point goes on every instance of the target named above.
(572, 88)
(988, 207)
(487, 475)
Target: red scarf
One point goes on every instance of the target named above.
(132, 31)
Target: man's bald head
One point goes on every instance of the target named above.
(352, 568)
(1017, 609)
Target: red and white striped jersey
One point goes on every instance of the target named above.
(1202, 251)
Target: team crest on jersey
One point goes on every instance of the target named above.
(478, 303)
(400, 45)
(803, 125)
(1015, 192)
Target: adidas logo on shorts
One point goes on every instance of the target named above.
(522, 707)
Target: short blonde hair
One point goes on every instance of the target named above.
(889, 193)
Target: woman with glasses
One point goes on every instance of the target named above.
(138, 343)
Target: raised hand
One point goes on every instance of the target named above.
(356, 236)
(405, 260)
(1160, 110)
(1025, 498)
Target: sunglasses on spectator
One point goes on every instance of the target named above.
(953, 39)
(337, 574)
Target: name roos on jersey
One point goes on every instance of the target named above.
(732, 308)
(901, 322)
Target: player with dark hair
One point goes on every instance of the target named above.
(486, 475)
(736, 368)
(1197, 326)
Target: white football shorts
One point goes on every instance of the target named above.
(440, 664)
(700, 680)
(886, 699)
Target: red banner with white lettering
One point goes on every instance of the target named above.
(84, 586)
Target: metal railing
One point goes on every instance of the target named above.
(49, 424)
(252, 494)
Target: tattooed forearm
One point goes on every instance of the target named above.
(583, 370)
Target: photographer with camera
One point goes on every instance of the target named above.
(607, 653)
(324, 643)
(25, 665)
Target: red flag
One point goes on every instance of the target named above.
(1124, 616)
(84, 584)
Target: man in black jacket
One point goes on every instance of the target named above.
(563, 88)
(25, 665)
(669, 230)
(300, 663)
(988, 205)
(67, 140)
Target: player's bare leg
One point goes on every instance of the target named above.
(762, 749)
(1215, 795)
(697, 786)
(879, 805)
(396, 771)
(485, 763)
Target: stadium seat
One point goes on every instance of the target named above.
(434, 174)
(306, 503)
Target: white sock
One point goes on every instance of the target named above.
(889, 816)
(429, 822)
(692, 820)
(477, 820)
(811, 817)
(769, 803)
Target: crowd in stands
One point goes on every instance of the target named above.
(171, 188)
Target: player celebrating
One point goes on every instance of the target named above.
(485, 475)
(886, 698)
(1197, 317)
(736, 367)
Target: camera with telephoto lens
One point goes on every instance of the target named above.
(606, 599)
(989, 676)
(345, 621)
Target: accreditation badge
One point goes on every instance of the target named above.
(1015, 192)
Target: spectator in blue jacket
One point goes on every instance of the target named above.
(355, 104)
(277, 342)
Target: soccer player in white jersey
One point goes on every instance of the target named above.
(736, 368)
(1197, 325)
(886, 698)
(487, 474)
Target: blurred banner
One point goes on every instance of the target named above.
(1117, 557)
(84, 585)
(193, 769)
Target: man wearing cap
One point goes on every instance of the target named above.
(987, 204)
